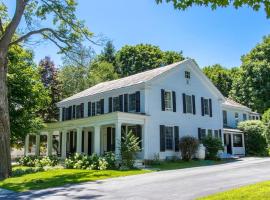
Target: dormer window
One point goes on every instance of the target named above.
(187, 74)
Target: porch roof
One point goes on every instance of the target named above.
(108, 118)
(232, 130)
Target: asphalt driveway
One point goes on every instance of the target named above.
(181, 184)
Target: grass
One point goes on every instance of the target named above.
(259, 191)
(60, 177)
(170, 165)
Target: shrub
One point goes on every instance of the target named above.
(81, 161)
(212, 146)
(255, 140)
(188, 146)
(28, 161)
(129, 148)
(30, 170)
(36, 161)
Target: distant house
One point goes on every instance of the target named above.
(159, 106)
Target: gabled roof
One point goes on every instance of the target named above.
(140, 78)
(232, 103)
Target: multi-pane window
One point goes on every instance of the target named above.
(132, 102)
(168, 100)
(210, 132)
(187, 74)
(236, 116)
(206, 106)
(216, 134)
(237, 140)
(189, 104)
(116, 106)
(203, 133)
(244, 117)
(98, 110)
(169, 138)
(225, 121)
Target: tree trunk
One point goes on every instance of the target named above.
(5, 157)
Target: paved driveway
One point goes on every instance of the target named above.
(175, 184)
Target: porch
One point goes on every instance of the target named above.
(234, 142)
(97, 134)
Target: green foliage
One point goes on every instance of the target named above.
(100, 72)
(266, 121)
(255, 140)
(212, 146)
(26, 94)
(266, 116)
(29, 170)
(134, 59)
(108, 53)
(214, 4)
(129, 149)
(93, 162)
(252, 86)
(38, 161)
(221, 78)
(188, 146)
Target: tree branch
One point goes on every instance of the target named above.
(1, 27)
(40, 31)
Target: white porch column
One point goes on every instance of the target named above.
(49, 143)
(26, 145)
(117, 139)
(37, 144)
(97, 140)
(79, 140)
(64, 144)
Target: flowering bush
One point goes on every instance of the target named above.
(36, 161)
(81, 161)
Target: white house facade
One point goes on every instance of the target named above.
(159, 106)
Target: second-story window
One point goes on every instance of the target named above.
(98, 110)
(189, 104)
(168, 100)
(132, 102)
(206, 106)
(224, 113)
(236, 116)
(116, 104)
(187, 74)
(244, 117)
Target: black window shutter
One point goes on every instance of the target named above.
(82, 141)
(210, 107)
(74, 111)
(89, 109)
(176, 138)
(162, 138)
(139, 134)
(109, 134)
(202, 106)
(125, 102)
(121, 103)
(63, 114)
(199, 134)
(66, 113)
(93, 109)
(174, 101)
(220, 135)
(184, 103)
(162, 100)
(138, 101)
(194, 104)
(82, 110)
(70, 112)
(110, 104)
(102, 106)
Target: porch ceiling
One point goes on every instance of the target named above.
(108, 118)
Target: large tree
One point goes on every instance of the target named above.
(53, 20)
(26, 94)
(49, 78)
(221, 77)
(252, 85)
(255, 5)
(134, 59)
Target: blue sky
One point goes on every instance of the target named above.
(209, 37)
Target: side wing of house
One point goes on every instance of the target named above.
(181, 102)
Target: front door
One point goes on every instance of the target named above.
(228, 142)
(110, 139)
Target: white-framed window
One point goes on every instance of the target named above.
(216, 134)
(225, 121)
(236, 116)
(203, 133)
(98, 108)
(237, 140)
(210, 132)
(187, 74)
(168, 100)
(116, 106)
(244, 117)
(168, 138)
(132, 102)
(206, 106)
(189, 104)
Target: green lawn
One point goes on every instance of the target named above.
(59, 177)
(260, 191)
(170, 165)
